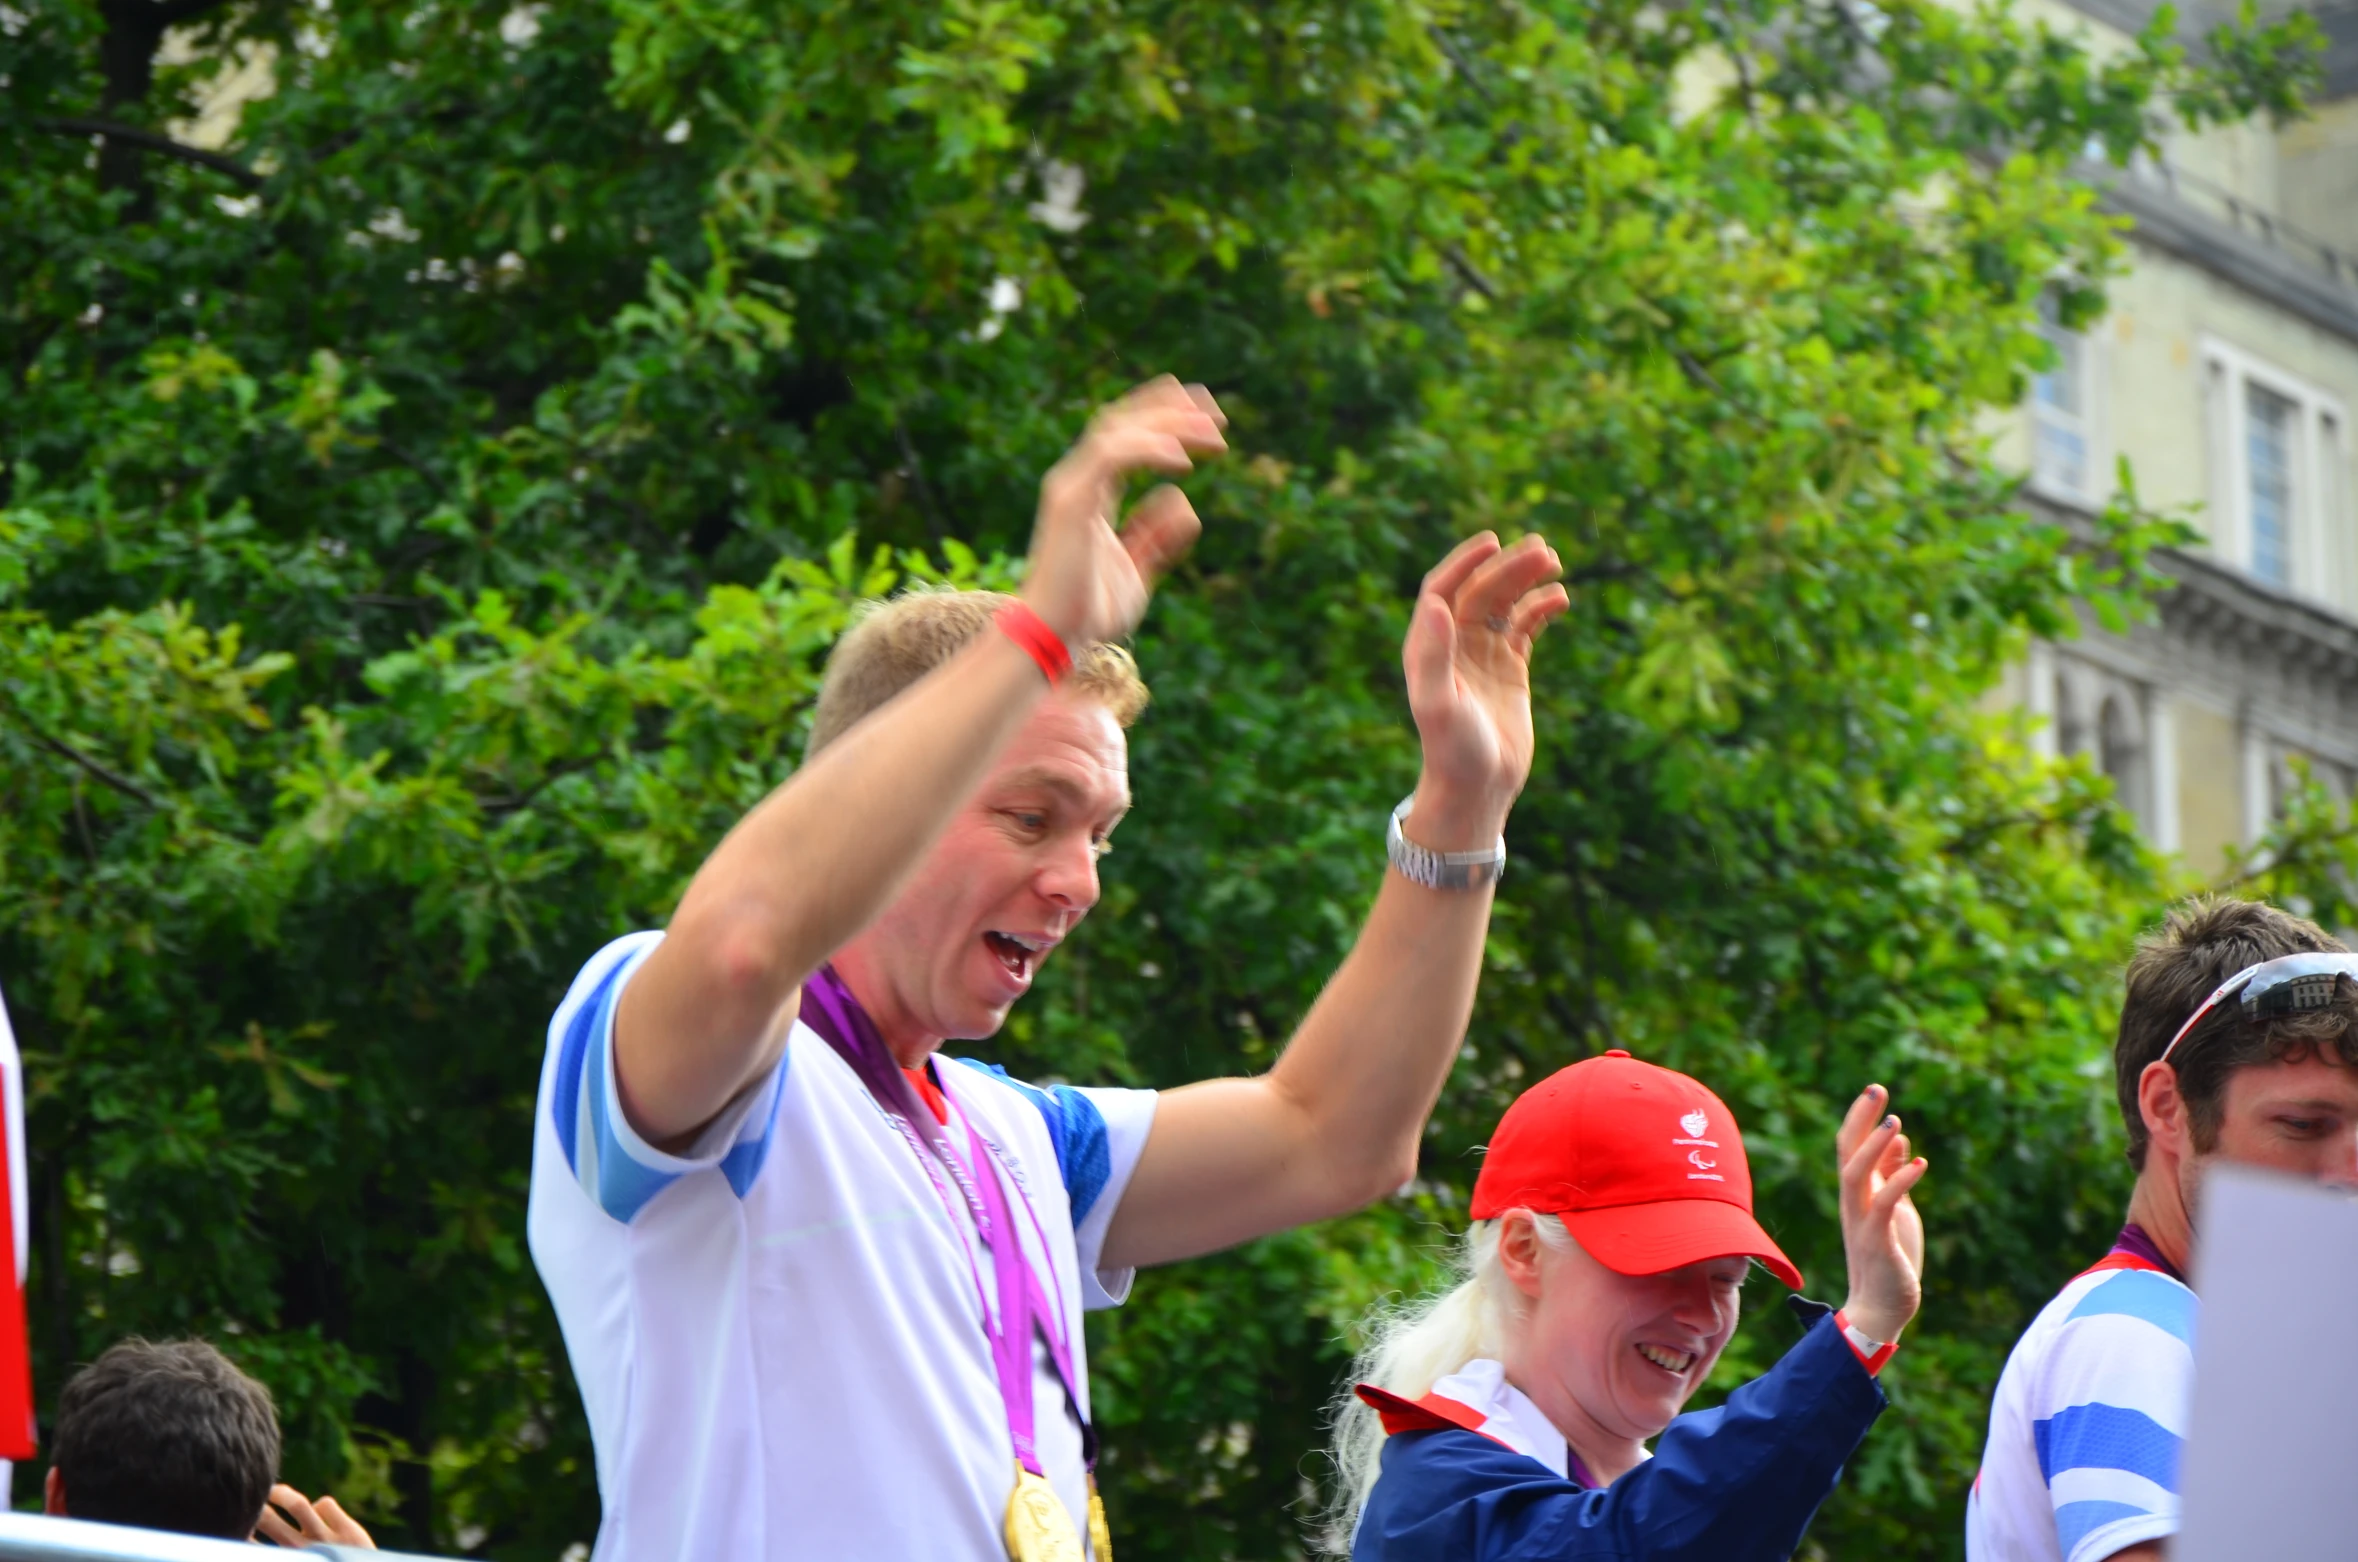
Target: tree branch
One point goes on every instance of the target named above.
(29, 353)
(154, 141)
(432, 478)
(1465, 68)
(1590, 574)
(179, 11)
(557, 771)
(1471, 274)
(1703, 379)
(121, 783)
(916, 470)
(1726, 27)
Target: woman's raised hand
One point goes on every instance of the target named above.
(1882, 1235)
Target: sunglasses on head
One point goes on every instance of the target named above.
(2290, 984)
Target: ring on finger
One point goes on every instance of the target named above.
(1498, 623)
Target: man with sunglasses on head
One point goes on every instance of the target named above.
(2238, 1042)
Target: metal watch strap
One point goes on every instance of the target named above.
(1440, 870)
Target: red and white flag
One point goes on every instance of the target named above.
(16, 1356)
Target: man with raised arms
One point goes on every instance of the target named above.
(821, 1285)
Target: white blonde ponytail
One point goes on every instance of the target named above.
(1412, 1346)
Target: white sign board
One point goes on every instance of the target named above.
(2271, 1460)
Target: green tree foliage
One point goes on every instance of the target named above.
(426, 513)
(2308, 859)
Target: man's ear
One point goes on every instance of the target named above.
(1518, 1250)
(2163, 1107)
(53, 1495)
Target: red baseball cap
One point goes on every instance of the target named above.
(1645, 1166)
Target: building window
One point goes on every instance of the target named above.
(2061, 451)
(2277, 488)
(2071, 729)
(2120, 752)
(2333, 491)
(2110, 718)
(2271, 445)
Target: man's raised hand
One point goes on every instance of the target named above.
(1088, 580)
(1468, 659)
(293, 1520)
(1882, 1235)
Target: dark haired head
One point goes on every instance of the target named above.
(166, 1436)
(2203, 943)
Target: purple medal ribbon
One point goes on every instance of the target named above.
(830, 1008)
(1020, 1304)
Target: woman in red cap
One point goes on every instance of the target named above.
(1613, 1228)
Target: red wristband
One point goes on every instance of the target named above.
(1039, 642)
(1858, 1339)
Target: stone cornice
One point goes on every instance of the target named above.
(2178, 228)
(2214, 601)
(2287, 664)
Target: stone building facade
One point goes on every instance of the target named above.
(2226, 375)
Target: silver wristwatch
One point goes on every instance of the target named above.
(1440, 870)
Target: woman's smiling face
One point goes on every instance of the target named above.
(1612, 1357)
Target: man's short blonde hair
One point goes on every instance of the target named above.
(899, 641)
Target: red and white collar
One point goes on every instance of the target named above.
(1477, 1398)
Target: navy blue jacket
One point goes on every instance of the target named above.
(1738, 1483)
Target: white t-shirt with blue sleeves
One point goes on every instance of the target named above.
(776, 1332)
(2087, 1423)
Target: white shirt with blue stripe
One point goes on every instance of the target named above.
(776, 1332)
(2087, 1424)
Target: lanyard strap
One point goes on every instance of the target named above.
(1021, 1304)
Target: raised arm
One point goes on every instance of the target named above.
(1335, 1124)
(816, 861)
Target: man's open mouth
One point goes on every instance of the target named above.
(1672, 1361)
(1017, 952)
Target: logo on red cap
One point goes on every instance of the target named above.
(1694, 1123)
(1586, 1143)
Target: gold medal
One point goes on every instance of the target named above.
(1100, 1537)
(1038, 1528)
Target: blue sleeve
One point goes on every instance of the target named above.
(2109, 1413)
(612, 1164)
(1084, 1153)
(1739, 1483)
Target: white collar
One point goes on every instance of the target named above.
(1507, 1413)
